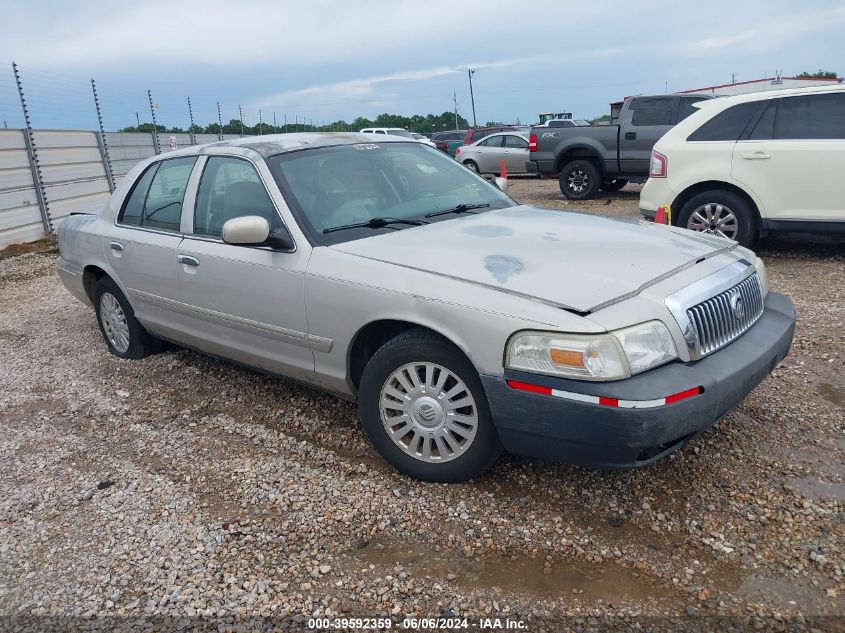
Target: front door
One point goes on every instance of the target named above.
(516, 153)
(245, 303)
(142, 249)
(795, 157)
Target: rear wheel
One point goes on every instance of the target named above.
(579, 180)
(124, 335)
(424, 408)
(719, 212)
(612, 186)
(471, 164)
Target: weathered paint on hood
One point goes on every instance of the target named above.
(576, 261)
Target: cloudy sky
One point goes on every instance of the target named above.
(328, 60)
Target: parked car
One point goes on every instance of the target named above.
(398, 131)
(438, 303)
(563, 123)
(449, 141)
(478, 133)
(486, 156)
(589, 158)
(756, 163)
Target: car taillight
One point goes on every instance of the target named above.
(532, 143)
(457, 151)
(658, 165)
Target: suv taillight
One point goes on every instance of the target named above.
(532, 143)
(658, 165)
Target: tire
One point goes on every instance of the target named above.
(124, 336)
(579, 180)
(424, 418)
(721, 204)
(472, 165)
(612, 186)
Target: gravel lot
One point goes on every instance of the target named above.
(181, 491)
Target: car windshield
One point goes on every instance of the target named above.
(400, 132)
(331, 187)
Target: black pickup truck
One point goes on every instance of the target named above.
(589, 158)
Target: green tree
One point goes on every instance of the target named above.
(820, 74)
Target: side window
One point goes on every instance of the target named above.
(133, 208)
(811, 117)
(654, 111)
(230, 188)
(728, 125)
(515, 142)
(492, 141)
(765, 127)
(380, 132)
(687, 108)
(163, 206)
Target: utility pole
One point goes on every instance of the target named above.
(470, 73)
(241, 114)
(137, 119)
(275, 129)
(259, 122)
(455, 100)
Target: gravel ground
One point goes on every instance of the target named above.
(181, 491)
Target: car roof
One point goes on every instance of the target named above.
(271, 144)
(722, 103)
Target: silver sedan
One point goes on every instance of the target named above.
(486, 156)
(461, 322)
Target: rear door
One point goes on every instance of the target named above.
(246, 303)
(490, 154)
(794, 158)
(146, 236)
(516, 153)
(643, 123)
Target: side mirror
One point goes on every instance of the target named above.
(501, 183)
(253, 230)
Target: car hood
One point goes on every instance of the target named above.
(577, 261)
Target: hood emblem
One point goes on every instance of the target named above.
(737, 306)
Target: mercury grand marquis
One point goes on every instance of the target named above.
(462, 322)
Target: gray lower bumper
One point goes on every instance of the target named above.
(609, 437)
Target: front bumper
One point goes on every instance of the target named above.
(602, 436)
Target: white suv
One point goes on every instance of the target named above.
(398, 131)
(751, 164)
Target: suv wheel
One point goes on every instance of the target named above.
(424, 408)
(721, 213)
(579, 180)
(124, 335)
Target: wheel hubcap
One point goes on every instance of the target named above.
(428, 412)
(714, 218)
(578, 180)
(114, 322)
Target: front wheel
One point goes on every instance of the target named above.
(472, 166)
(719, 212)
(423, 406)
(579, 180)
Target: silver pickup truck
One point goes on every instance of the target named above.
(461, 322)
(589, 158)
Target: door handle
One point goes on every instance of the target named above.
(756, 156)
(188, 260)
(116, 246)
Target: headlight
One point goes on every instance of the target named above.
(612, 356)
(762, 275)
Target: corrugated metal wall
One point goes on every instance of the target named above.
(73, 172)
(20, 217)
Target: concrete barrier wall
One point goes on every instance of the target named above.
(73, 173)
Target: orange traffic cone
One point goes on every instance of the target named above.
(504, 170)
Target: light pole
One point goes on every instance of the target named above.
(470, 73)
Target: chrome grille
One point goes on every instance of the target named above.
(721, 319)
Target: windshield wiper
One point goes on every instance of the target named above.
(373, 223)
(461, 208)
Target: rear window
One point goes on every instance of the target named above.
(654, 111)
(728, 125)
